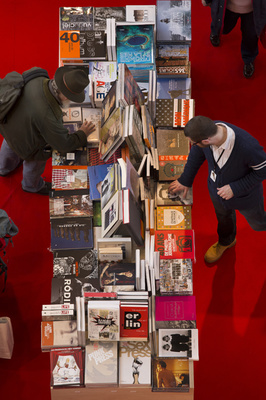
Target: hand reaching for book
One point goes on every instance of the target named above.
(176, 186)
(87, 128)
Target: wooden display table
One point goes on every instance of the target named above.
(117, 394)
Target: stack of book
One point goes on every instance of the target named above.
(122, 309)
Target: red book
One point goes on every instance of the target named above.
(133, 321)
(175, 244)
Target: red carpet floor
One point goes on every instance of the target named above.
(230, 295)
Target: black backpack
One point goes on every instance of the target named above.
(7, 230)
(11, 88)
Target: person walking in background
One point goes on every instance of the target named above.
(225, 14)
(236, 170)
(34, 126)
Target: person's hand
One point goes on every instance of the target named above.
(176, 186)
(87, 128)
(204, 3)
(225, 192)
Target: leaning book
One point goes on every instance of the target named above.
(101, 363)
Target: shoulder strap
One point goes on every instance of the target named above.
(34, 73)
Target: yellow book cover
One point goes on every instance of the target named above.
(173, 217)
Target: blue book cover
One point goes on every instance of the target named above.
(71, 233)
(97, 173)
(135, 44)
(173, 88)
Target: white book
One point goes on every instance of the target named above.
(134, 364)
(181, 343)
(143, 13)
(104, 320)
(142, 275)
(58, 307)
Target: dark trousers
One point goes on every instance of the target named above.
(249, 43)
(256, 218)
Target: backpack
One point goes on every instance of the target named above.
(7, 230)
(11, 88)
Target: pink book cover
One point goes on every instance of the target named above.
(175, 308)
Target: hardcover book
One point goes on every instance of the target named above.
(134, 318)
(58, 334)
(111, 136)
(71, 233)
(130, 92)
(103, 70)
(173, 71)
(79, 263)
(96, 174)
(176, 277)
(101, 364)
(175, 244)
(164, 198)
(173, 88)
(175, 308)
(103, 320)
(92, 115)
(70, 203)
(72, 115)
(173, 22)
(82, 45)
(110, 184)
(76, 18)
(69, 177)
(112, 215)
(170, 375)
(134, 364)
(67, 366)
(102, 13)
(129, 177)
(77, 157)
(142, 13)
(174, 112)
(135, 132)
(117, 274)
(173, 217)
(148, 127)
(110, 103)
(181, 343)
(171, 167)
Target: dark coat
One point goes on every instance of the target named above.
(218, 10)
(34, 126)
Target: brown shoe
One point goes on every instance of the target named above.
(216, 251)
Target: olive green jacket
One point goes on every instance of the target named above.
(34, 126)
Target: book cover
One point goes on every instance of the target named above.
(92, 115)
(96, 174)
(172, 71)
(101, 363)
(148, 127)
(176, 277)
(58, 334)
(173, 50)
(123, 244)
(111, 136)
(117, 274)
(164, 198)
(170, 375)
(175, 308)
(69, 177)
(72, 114)
(110, 185)
(65, 290)
(112, 215)
(171, 167)
(76, 18)
(110, 103)
(133, 223)
(82, 45)
(100, 91)
(173, 22)
(134, 318)
(71, 233)
(175, 244)
(184, 110)
(67, 366)
(58, 315)
(130, 91)
(103, 70)
(135, 44)
(70, 203)
(79, 263)
(173, 88)
(135, 132)
(101, 13)
(181, 343)
(129, 177)
(76, 157)
(134, 364)
(173, 217)
(104, 320)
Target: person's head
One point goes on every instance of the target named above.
(166, 338)
(71, 83)
(162, 364)
(166, 347)
(200, 129)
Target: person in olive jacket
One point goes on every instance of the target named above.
(225, 14)
(34, 126)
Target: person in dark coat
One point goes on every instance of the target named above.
(34, 126)
(225, 14)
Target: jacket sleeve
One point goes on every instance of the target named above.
(58, 137)
(256, 161)
(195, 160)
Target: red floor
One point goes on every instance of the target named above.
(230, 296)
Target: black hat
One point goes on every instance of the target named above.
(72, 82)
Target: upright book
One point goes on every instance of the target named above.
(67, 367)
(104, 320)
(176, 277)
(134, 364)
(134, 320)
(173, 217)
(175, 244)
(171, 374)
(71, 233)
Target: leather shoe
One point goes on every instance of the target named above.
(45, 190)
(216, 251)
(215, 40)
(248, 70)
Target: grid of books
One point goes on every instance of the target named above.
(122, 309)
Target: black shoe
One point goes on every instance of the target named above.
(215, 40)
(45, 190)
(248, 70)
